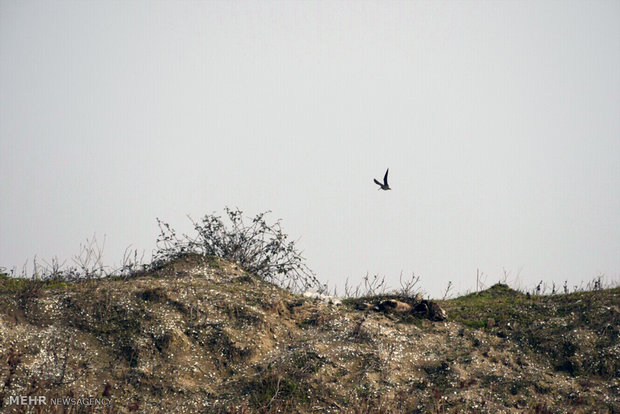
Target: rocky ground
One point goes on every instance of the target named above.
(201, 335)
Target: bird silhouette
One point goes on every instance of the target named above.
(385, 185)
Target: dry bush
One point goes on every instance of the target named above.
(258, 247)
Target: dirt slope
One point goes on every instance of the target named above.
(201, 335)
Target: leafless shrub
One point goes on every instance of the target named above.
(597, 283)
(54, 269)
(87, 264)
(481, 279)
(260, 248)
(507, 278)
(349, 292)
(89, 261)
(409, 287)
(446, 294)
(130, 264)
(374, 285)
(504, 279)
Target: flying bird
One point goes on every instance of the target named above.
(385, 185)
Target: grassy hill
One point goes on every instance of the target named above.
(201, 335)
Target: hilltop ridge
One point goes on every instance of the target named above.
(199, 334)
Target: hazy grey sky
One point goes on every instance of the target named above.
(499, 121)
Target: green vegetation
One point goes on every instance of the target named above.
(10, 284)
(575, 331)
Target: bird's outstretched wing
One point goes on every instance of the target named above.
(377, 182)
(385, 177)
